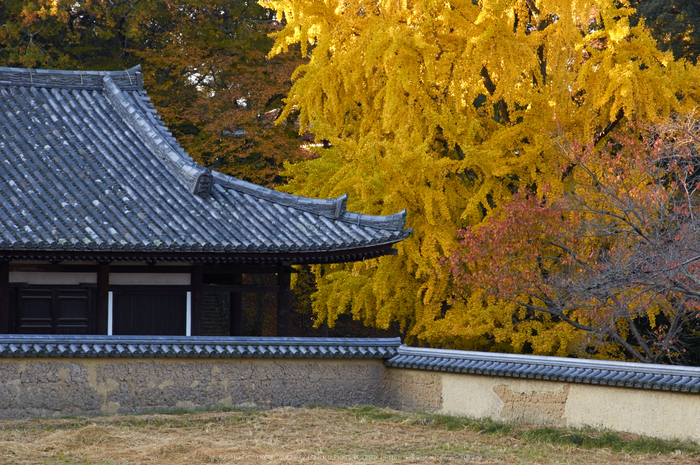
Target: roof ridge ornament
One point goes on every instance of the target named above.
(340, 205)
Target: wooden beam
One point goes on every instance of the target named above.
(284, 303)
(254, 288)
(102, 298)
(217, 273)
(243, 269)
(196, 289)
(4, 297)
(149, 269)
(236, 306)
(242, 259)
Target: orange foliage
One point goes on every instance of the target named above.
(616, 256)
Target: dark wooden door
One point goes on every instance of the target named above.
(156, 312)
(54, 310)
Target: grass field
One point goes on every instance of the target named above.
(358, 435)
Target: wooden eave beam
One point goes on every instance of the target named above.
(91, 268)
(204, 258)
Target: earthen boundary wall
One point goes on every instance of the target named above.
(60, 378)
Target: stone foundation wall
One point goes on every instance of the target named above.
(92, 386)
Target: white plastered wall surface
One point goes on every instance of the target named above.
(662, 414)
(149, 279)
(655, 413)
(52, 278)
(115, 279)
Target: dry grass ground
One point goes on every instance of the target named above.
(361, 435)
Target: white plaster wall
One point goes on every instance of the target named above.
(149, 279)
(661, 414)
(504, 399)
(415, 390)
(123, 279)
(31, 277)
(470, 395)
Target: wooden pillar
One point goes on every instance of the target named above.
(196, 309)
(236, 308)
(4, 297)
(102, 316)
(284, 302)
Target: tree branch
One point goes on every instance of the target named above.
(491, 88)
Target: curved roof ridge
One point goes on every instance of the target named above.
(332, 208)
(130, 79)
(395, 222)
(197, 178)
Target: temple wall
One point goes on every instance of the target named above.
(92, 386)
(37, 385)
(655, 413)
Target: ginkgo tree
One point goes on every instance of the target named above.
(446, 109)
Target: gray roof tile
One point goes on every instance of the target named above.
(54, 345)
(611, 373)
(87, 165)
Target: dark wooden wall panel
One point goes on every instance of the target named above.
(4, 297)
(157, 313)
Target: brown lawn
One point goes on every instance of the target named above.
(296, 436)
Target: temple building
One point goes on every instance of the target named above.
(108, 227)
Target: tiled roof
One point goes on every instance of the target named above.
(87, 165)
(54, 345)
(611, 373)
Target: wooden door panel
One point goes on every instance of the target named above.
(156, 313)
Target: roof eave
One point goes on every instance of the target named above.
(204, 257)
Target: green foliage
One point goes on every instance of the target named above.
(587, 438)
(592, 439)
(66, 34)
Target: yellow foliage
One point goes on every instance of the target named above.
(444, 109)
